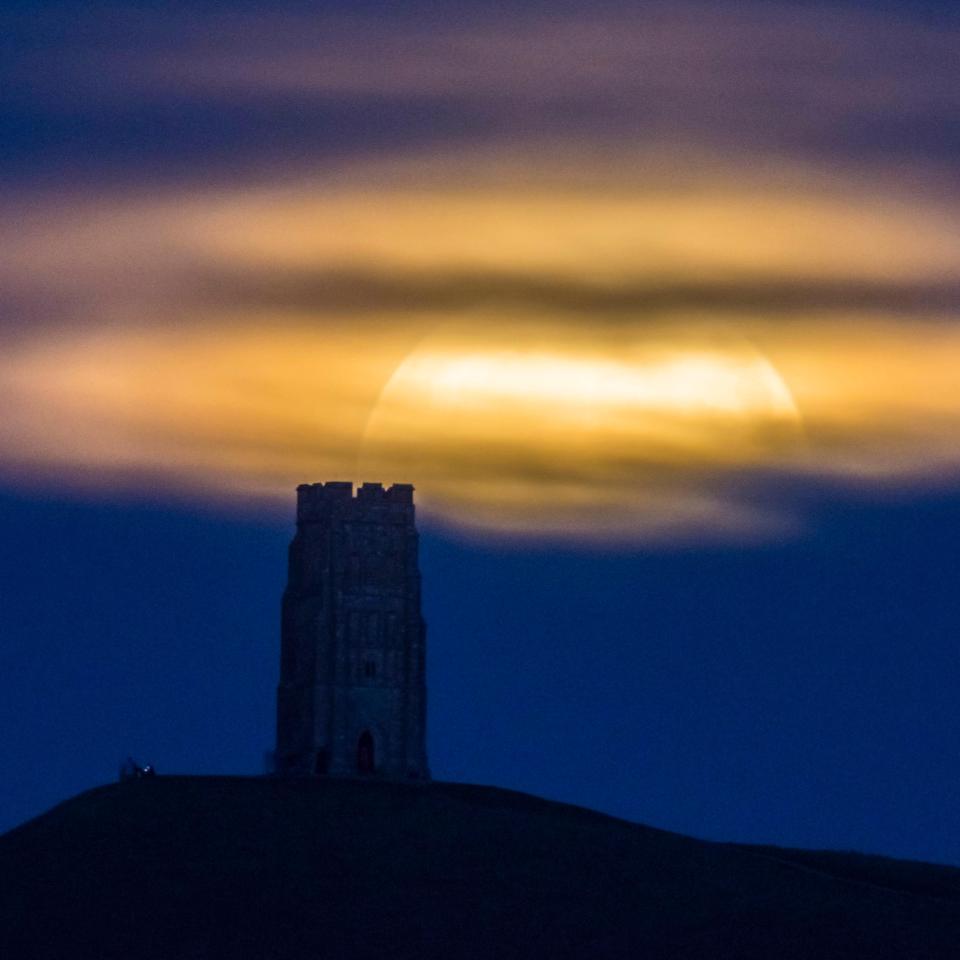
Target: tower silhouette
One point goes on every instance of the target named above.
(352, 694)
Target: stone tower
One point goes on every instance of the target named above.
(352, 694)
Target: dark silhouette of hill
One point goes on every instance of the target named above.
(210, 867)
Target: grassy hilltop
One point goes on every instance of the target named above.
(210, 867)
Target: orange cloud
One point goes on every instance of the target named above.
(531, 427)
(525, 371)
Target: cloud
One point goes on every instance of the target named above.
(610, 224)
(642, 430)
(766, 52)
(674, 282)
(192, 89)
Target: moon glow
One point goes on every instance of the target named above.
(560, 406)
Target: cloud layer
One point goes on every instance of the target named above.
(638, 276)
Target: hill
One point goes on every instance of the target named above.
(210, 867)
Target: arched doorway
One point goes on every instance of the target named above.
(365, 753)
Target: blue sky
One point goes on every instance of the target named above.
(218, 285)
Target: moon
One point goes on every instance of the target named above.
(510, 424)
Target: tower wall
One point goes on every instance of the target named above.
(353, 640)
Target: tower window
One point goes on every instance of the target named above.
(369, 668)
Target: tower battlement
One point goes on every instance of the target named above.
(315, 500)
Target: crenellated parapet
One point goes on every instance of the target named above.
(316, 501)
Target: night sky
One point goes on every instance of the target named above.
(658, 310)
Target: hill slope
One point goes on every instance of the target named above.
(196, 867)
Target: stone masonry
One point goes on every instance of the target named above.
(352, 693)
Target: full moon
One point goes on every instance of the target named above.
(520, 424)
